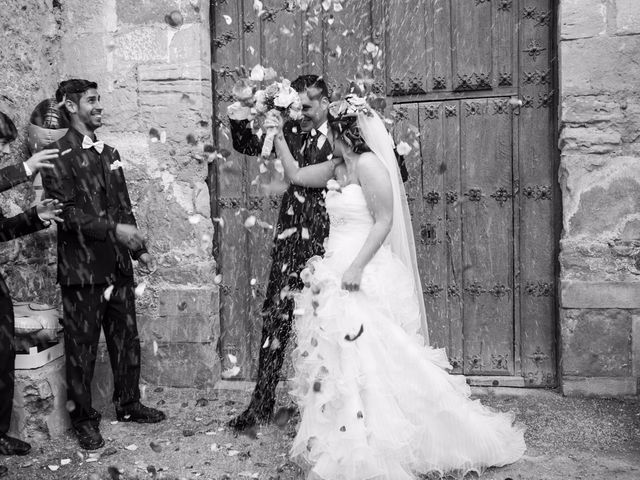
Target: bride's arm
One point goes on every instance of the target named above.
(376, 186)
(315, 176)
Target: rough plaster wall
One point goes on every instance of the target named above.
(29, 67)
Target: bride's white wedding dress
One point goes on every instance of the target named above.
(375, 402)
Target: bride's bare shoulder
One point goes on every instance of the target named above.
(369, 161)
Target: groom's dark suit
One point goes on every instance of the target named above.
(92, 189)
(10, 228)
(302, 211)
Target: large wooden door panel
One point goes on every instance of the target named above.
(482, 187)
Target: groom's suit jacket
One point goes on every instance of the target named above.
(301, 208)
(92, 189)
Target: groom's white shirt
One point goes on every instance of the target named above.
(323, 131)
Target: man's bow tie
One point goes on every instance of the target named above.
(87, 144)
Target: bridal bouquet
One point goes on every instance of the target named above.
(257, 104)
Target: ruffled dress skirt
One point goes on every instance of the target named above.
(375, 402)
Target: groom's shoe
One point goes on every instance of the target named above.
(3, 471)
(137, 412)
(89, 436)
(13, 446)
(244, 421)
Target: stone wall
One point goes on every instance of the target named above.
(600, 180)
(29, 69)
(151, 60)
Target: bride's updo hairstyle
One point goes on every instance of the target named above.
(343, 118)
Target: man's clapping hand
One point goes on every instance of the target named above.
(49, 209)
(130, 236)
(41, 160)
(148, 263)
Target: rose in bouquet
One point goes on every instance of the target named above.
(256, 105)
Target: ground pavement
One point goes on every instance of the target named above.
(567, 438)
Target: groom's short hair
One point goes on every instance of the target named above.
(73, 89)
(304, 82)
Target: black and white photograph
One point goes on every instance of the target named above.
(320, 240)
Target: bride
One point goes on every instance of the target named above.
(375, 402)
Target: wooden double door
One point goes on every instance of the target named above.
(471, 89)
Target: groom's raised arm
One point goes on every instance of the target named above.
(243, 138)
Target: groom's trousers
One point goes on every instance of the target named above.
(289, 258)
(86, 310)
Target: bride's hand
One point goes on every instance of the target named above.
(351, 279)
(273, 119)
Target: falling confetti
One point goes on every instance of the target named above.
(140, 288)
(154, 135)
(403, 148)
(174, 19)
(250, 221)
(352, 338)
(107, 292)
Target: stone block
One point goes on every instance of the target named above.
(202, 199)
(590, 109)
(184, 315)
(599, 386)
(582, 19)
(599, 65)
(120, 106)
(195, 327)
(185, 301)
(589, 139)
(141, 44)
(595, 342)
(85, 56)
(602, 208)
(190, 44)
(181, 364)
(580, 294)
(39, 403)
(591, 261)
(635, 345)
(91, 16)
(599, 194)
(154, 11)
(627, 17)
(202, 273)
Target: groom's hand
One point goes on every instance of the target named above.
(148, 263)
(129, 236)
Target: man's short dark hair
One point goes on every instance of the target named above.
(8, 130)
(73, 89)
(303, 82)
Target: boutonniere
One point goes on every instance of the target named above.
(116, 165)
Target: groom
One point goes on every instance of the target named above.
(95, 246)
(302, 210)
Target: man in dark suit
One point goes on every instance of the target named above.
(34, 219)
(95, 246)
(301, 229)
